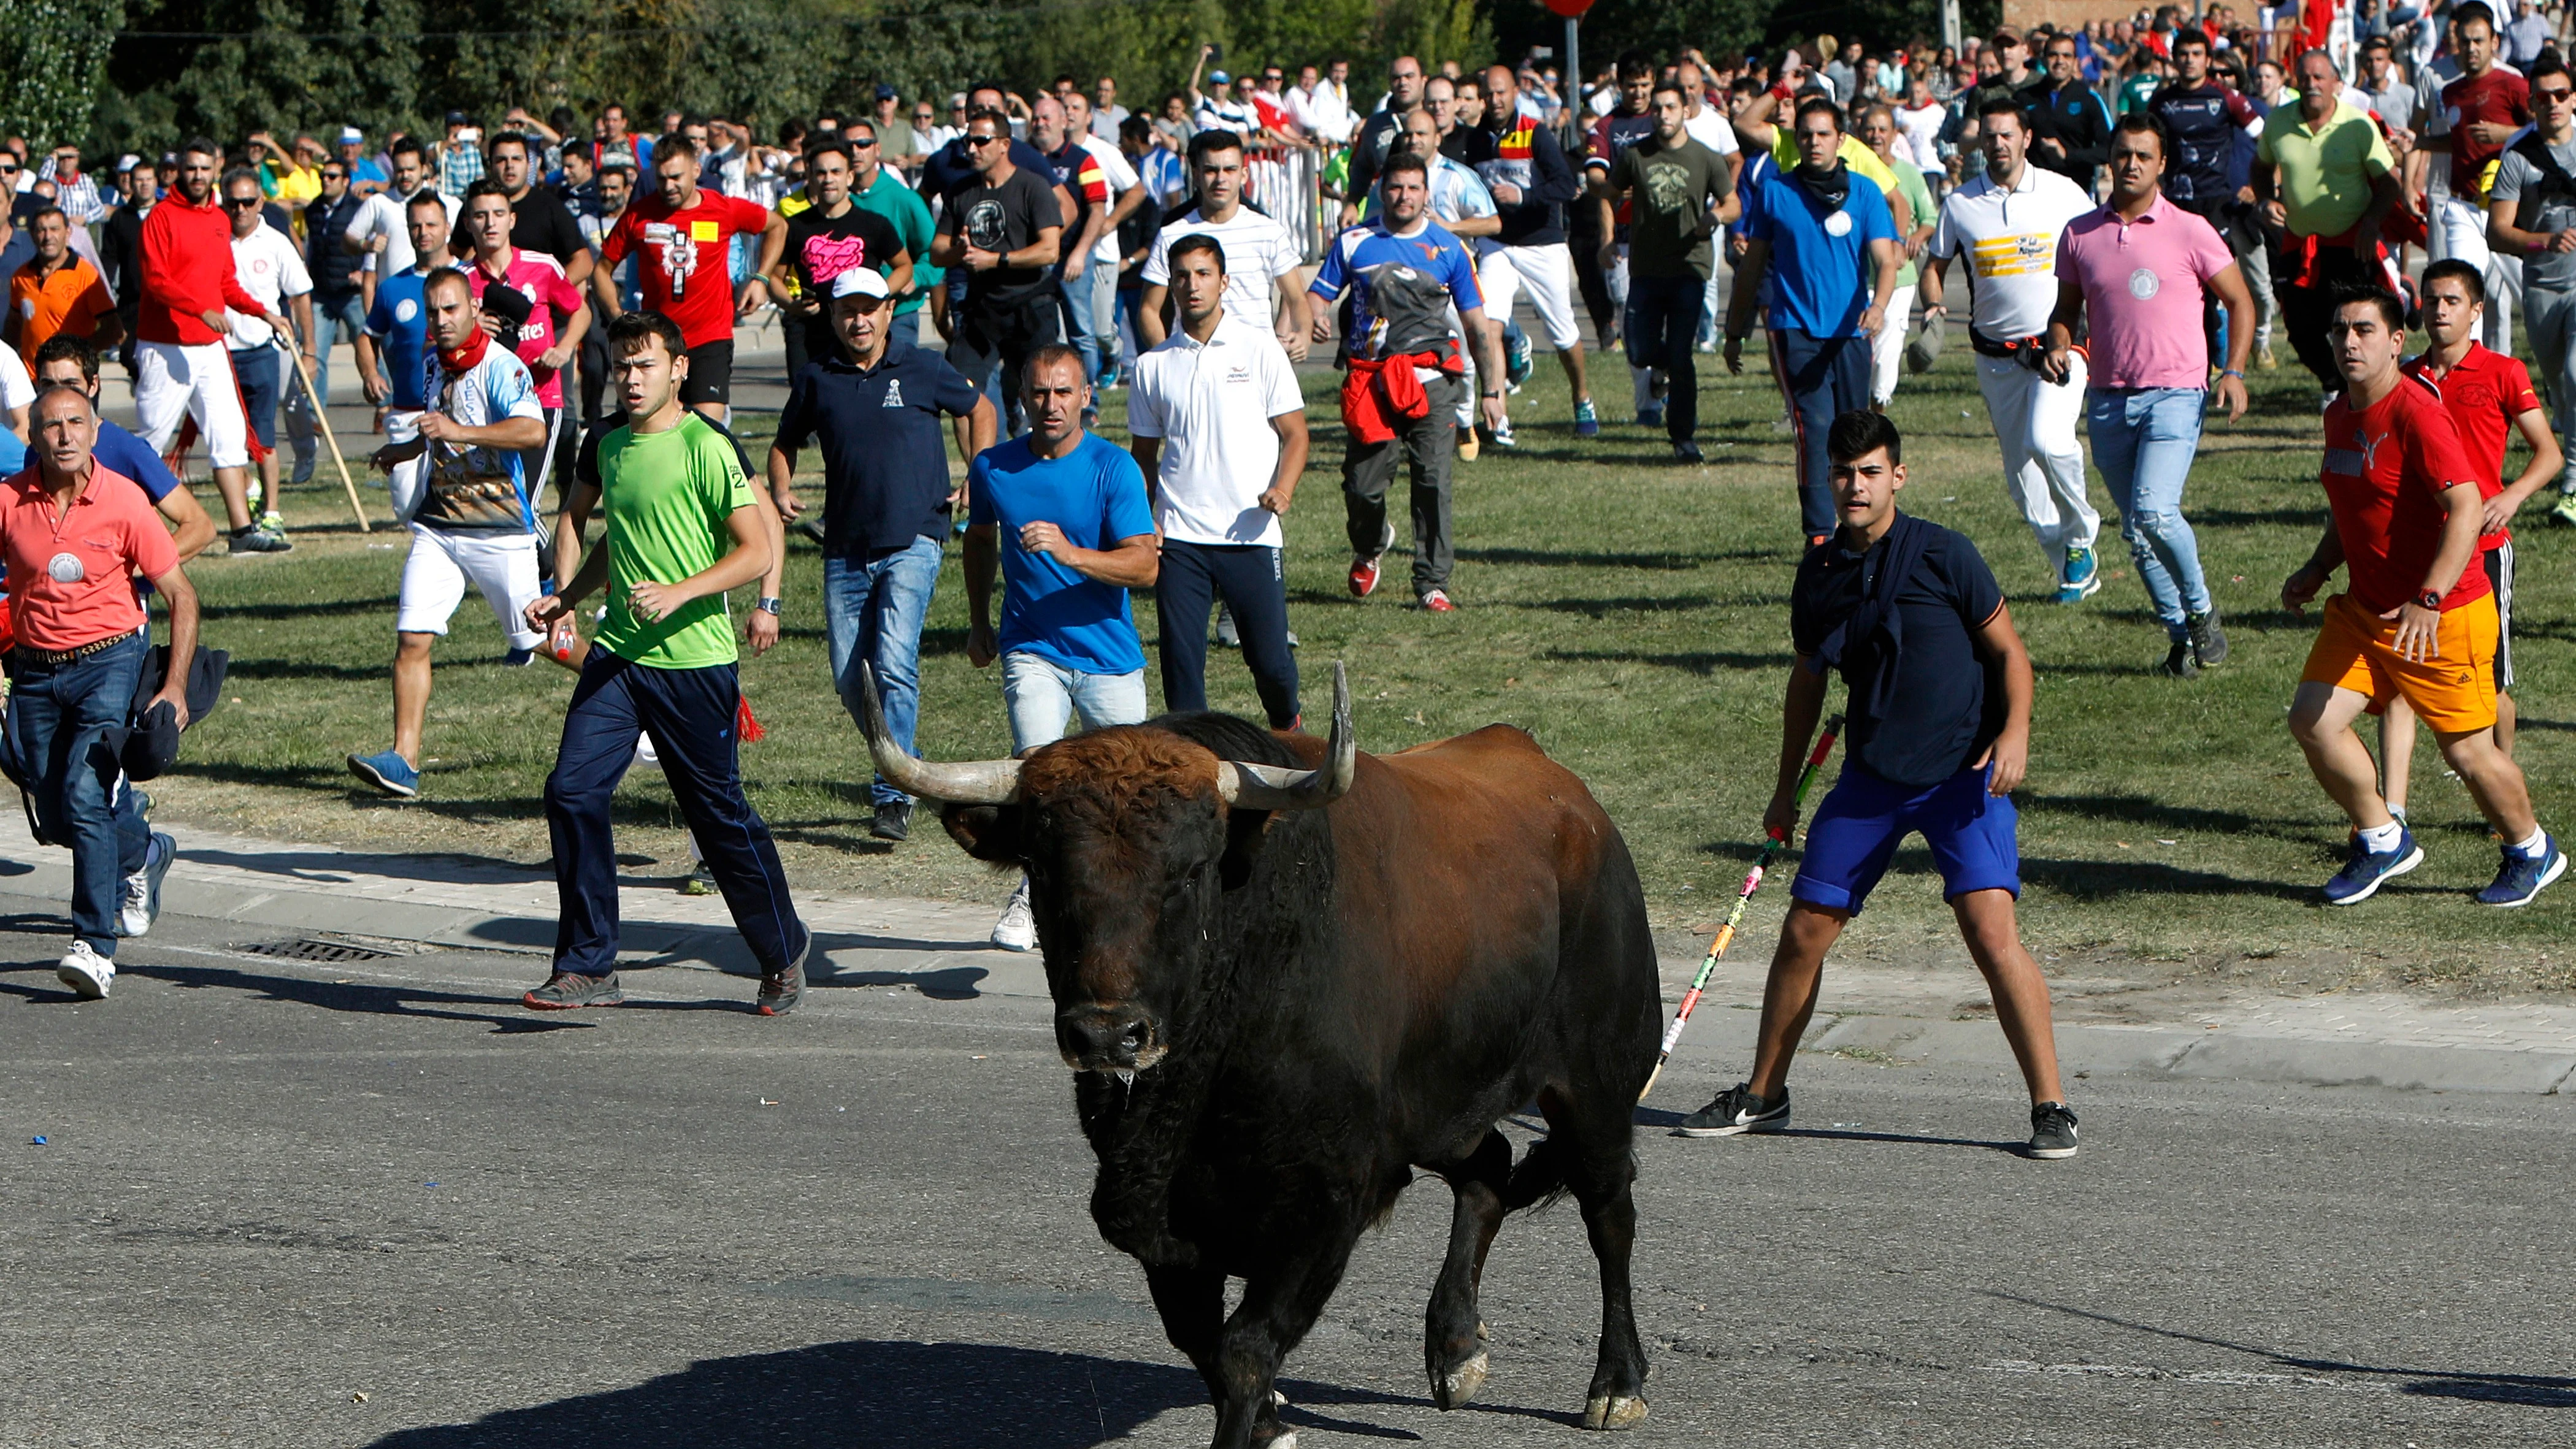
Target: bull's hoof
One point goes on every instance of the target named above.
(1457, 1388)
(1283, 1439)
(1616, 1411)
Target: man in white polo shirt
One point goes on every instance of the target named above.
(2007, 222)
(1219, 430)
(1261, 258)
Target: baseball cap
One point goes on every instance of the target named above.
(456, 118)
(352, 136)
(860, 282)
(127, 162)
(1220, 77)
(886, 92)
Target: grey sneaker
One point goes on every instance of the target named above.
(569, 990)
(2208, 641)
(256, 540)
(1737, 1110)
(780, 990)
(2052, 1131)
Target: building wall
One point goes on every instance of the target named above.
(2023, 14)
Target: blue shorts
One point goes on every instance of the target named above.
(1857, 829)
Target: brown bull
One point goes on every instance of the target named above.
(1287, 974)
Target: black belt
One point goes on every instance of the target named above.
(57, 658)
(2023, 350)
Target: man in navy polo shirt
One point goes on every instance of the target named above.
(1835, 244)
(1940, 690)
(886, 500)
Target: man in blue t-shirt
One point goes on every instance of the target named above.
(393, 353)
(1405, 274)
(1834, 242)
(1939, 691)
(1081, 535)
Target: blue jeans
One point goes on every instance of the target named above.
(872, 612)
(2143, 441)
(56, 716)
(1038, 693)
(258, 370)
(1091, 317)
(334, 321)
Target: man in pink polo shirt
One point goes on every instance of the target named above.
(2140, 268)
(75, 536)
(550, 313)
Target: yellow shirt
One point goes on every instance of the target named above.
(2326, 171)
(1784, 153)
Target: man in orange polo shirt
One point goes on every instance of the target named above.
(58, 291)
(75, 536)
(2418, 621)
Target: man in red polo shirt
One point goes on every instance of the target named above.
(75, 535)
(682, 240)
(180, 370)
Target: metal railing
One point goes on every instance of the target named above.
(1287, 185)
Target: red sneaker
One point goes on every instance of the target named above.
(1437, 601)
(1363, 577)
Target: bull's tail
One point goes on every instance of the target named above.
(1538, 1179)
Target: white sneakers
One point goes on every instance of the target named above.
(86, 972)
(1018, 929)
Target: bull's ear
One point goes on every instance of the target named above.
(1244, 832)
(990, 833)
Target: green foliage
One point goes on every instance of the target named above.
(51, 52)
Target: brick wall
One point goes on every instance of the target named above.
(2023, 14)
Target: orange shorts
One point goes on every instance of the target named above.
(2453, 693)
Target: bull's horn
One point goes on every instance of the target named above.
(1269, 787)
(975, 782)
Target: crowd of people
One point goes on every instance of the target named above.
(543, 306)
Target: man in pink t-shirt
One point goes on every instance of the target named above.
(557, 315)
(2141, 270)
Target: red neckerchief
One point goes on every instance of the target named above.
(463, 358)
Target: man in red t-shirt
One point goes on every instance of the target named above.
(682, 240)
(2418, 621)
(2489, 397)
(2479, 113)
(76, 536)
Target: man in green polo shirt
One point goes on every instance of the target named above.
(683, 528)
(2325, 173)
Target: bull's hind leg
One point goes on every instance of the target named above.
(1453, 1331)
(1594, 1140)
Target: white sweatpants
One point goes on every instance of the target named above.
(174, 381)
(2043, 464)
(2464, 236)
(1887, 350)
(1548, 272)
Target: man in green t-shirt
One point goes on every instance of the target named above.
(1679, 193)
(683, 528)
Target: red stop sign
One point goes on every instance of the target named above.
(1570, 9)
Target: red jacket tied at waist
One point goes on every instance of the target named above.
(187, 272)
(2299, 256)
(1379, 390)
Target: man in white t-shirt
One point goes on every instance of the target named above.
(2008, 222)
(1919, 121)
(1125, 196)
(1261, 258)
(271, 268)
(381, 231)
(460, 483)
(1219, 428)
(1322, 110)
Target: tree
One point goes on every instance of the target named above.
(52, 55)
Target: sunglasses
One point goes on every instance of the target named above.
(862, 142)
(335, 175)
(2555, 98)
(241, 203)
(8, 168)
(980, 141)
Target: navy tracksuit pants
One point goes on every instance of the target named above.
(690, 715)
(1248, 578)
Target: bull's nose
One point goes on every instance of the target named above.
(1103, 1038)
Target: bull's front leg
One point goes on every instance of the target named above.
(1192, 1303)
(1277, 1310)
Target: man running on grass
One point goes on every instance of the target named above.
(2488, 396)
(683, 529)
(460, 483)
(1940, 691)
(2418, 621)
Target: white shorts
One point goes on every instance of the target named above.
(2464, 233)
(172, 382)
(502, 568)
(1548, 272)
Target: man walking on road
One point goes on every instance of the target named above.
(683, 530)
(2418, 621)
(2139, 270)
(2006, 223)
(180, 368)
(2532, 211)
(875, 408)
(1219, 431)
(2336, 183)
(1940, 691)
(1834, 241)
(682, 239)
(1407, 374)
(76, 536)
(1679, 193)
(1080, 535)
(58, 291)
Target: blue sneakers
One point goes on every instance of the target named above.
(1651, 415)
(1587, 423)
(2082, 579)
(1516, 368)
(388, 772)
(2523, 876)
(2368, 870)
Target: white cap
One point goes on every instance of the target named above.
(860, 282)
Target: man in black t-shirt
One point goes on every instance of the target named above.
(831, 235)
(1004, 232)
(1939, 710)
(539, 220)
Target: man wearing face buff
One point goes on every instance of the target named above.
(1835, 240)
(875, 409)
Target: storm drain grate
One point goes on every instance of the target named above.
(321, 948)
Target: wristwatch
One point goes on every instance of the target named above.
(2429, 600)
(769, 606)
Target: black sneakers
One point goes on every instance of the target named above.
(2179, 663)
(2052, 1131)
(2208, 641)
(570, 991)
(893, 821)
(1737, 1110)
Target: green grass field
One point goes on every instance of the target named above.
(1630, 613)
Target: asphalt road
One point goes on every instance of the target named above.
(300, 1204)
